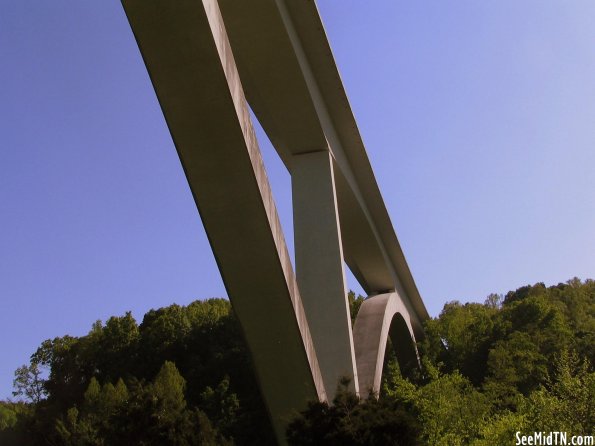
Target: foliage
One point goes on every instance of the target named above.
(154, 414)
(28, 382)
(355, 302)
(519, 362)
(12, 422)
(182, 376)
(349, 421)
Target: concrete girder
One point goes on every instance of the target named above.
(185, 48)
(283, 48)
(363, 250)
(379, 318)
(348, 149)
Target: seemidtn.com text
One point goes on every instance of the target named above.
(553, 438)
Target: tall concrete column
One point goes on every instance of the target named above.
(319, 267)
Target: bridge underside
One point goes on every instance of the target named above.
(202, 56)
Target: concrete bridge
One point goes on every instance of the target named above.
(209, 61)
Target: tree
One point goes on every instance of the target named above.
(355, 302)
(28, 383)
(8, 417)
(221, 406)
(460, 338)
(351, 421)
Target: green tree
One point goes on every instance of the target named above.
(8, 417)
(221, 406)
(355, 302)
(29, 383)
(351, 421)
(460, 338)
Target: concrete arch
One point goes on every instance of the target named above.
(379, 318)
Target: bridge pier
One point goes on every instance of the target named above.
(319, 267)
(382, 317)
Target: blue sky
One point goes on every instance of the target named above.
(478, 118)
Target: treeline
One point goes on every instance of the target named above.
(181, 377)
(522, 362)
(519, 362)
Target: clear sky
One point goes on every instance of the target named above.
(478, 118)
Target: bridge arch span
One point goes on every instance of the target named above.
(379, 318)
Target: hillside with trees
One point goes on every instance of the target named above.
(183, 376)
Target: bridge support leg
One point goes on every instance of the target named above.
(379, 318)
(185, 47)
(319, 267)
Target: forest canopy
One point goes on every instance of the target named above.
(183, 376)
